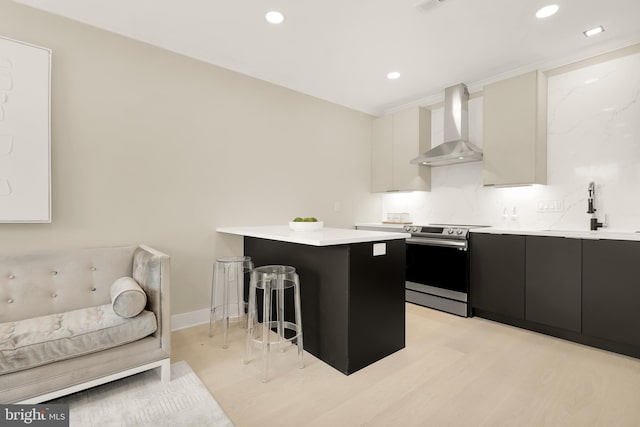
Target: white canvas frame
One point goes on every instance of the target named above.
(25, 132)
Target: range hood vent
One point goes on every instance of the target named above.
(456, 147)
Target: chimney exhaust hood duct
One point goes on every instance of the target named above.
(456, 147)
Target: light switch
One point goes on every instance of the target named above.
(379, 249)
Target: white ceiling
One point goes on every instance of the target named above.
(342, 50)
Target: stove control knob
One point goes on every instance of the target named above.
(414, 229)
(450, 231)
(459, 231)
(406, 228)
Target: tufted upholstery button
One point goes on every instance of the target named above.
(93, 289)
(54, 295)
(55, 273)
(9, 301)
(11, 276)
(93, 269)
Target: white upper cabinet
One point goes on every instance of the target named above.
(395, 140)
(381, 154)
(515, 131)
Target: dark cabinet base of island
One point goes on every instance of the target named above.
(353, 307)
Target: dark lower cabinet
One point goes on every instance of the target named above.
(553, 282)
(497, 274)
(611, 290)
(583, 290)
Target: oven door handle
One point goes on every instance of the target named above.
(459, 244)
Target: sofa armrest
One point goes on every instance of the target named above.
(152, 270)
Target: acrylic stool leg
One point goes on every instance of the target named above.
(296, 290)
(238, 291)
(266, 321)
(225, 304)
(280, 308)
(252, 315)
(212, 310)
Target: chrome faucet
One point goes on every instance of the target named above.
(590, 209)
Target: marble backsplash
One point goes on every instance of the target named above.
(593, 135)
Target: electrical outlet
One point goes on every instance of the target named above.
(379, 249)
(549, 206)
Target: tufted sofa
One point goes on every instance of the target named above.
(58, 332)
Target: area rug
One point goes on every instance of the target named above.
(142, 400)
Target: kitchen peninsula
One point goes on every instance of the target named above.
(352, 288)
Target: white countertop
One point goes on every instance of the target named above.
(324, 237)
(381, 225)
(603, 234)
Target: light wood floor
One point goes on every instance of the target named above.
(453, 372)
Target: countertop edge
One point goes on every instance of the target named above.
(570, 234)
(314, 238)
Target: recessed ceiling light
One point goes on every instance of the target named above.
(393, 75)
(274, 17)
(593, 31)
(547, 11)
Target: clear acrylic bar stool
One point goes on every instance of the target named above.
(277, 331)
(227, 290)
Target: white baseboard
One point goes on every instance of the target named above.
(195, 318)
(187, 320)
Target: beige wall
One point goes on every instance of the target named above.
(151, 147)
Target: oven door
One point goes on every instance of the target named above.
(439, 264)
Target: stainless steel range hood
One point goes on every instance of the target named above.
(456, 147)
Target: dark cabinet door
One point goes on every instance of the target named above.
(611, 290)
(497, 274)
(553, 281)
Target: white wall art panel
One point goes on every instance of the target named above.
(25, 81)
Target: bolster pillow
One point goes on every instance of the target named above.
(127, 297)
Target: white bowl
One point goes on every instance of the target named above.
(306, 226)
